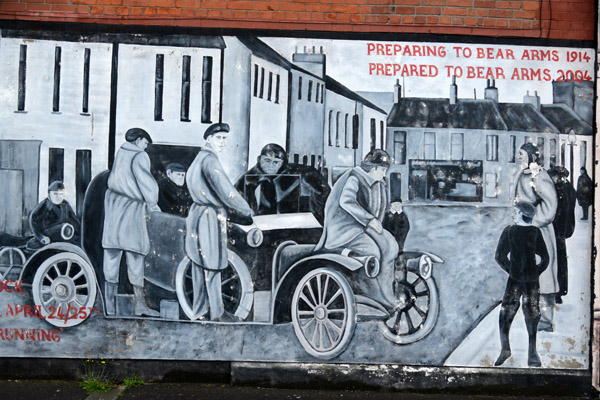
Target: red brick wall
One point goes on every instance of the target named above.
(555, 19)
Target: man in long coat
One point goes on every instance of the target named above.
(564, 225)
(585, 189)
(534, 185)
(132, 193)
(206, 239)
(354, 214)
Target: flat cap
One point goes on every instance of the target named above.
(526, 208)
(216, 128)
(55, 186)
(175, 166)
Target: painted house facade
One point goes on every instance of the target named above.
(462, 150)
(65, 87)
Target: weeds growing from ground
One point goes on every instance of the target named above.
(96, 377)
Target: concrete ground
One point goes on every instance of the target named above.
(562, 348)
(44, 389)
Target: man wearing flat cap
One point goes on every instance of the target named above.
(53, 219)
(173, 195)
(206, 240)
(132, 193)
(354, 213)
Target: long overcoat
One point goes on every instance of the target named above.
(131, 191)
(214, 195)
(351, 205)
(538, 189)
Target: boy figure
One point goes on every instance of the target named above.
(523, 242)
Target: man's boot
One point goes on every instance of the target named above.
(140, 307)
(110, 296)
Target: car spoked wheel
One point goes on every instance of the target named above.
(237, 289)
(416, 309)
(64, 289)
(12, 261)
(324, 313)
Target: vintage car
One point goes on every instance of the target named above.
(275, 275)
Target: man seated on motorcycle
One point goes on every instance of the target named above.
(354, 213)
(53, 219)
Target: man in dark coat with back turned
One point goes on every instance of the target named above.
(132, 193)
(563, 224)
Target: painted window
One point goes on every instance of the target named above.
(22, 77)
(322, 93)
(347, 132)
(317, 92)
(540, 145)
(331, 133)
(400, 147)
(492, 147)
(337, 129)
(512, 149)
(255, 80)
(83, 176)
(457, 146)
(373, 136)
(583, 154)
(562, 154)
(207, 65)
(310, 86)
(86, 81)
(158, 86)
(429, 146)
(299, 88)
(277, 89)
(491, 185)
(56, 93)
(270, 88)
(56, 165)
(261, 88)
(552, 153)
(355, 131)
(381, 136)
(185, 88)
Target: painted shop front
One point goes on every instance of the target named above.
(296, 199)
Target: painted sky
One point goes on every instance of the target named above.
(349, 63)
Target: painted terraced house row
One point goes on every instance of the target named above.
(86, 91)
(465, 150)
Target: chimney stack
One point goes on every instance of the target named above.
(491, 91)
(311, 61)
(453, 90)
(533, 100)
(397, 91)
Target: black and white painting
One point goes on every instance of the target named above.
(295, 199)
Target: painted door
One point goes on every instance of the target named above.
(11, 180)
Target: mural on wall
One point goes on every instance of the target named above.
(264, 199)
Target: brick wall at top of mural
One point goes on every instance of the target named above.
(556, 19)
